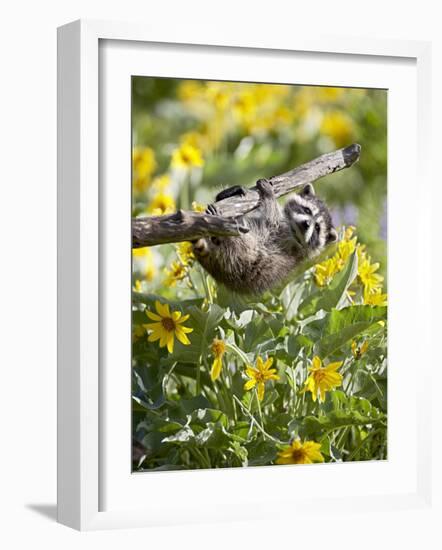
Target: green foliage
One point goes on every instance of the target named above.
(184, 419)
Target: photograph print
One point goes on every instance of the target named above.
(259, 263)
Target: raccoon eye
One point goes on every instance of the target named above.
(215, 241)
(317, 228)
(307, 211)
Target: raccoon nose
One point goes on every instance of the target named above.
(200, 247)
(305, 225)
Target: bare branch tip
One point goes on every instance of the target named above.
(351, 153)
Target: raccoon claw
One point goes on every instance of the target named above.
(235, 191)
(265, 188)
(212, 210)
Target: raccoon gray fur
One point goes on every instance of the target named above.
(278, 241)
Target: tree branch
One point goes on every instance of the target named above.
(188, 226)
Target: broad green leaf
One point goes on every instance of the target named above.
(256, 331)
(345, 324)
(315, 426)
(202, 417)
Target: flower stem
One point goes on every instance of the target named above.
(259, 408)
(254, 421)
(238, 352)
(198, 377)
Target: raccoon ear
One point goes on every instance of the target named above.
(308, 190)
(332, 236)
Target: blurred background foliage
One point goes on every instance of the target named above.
(192, 138)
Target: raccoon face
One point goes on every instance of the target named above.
(310, 221)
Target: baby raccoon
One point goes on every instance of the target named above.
(278, 241)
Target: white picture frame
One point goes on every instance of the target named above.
(84, 394)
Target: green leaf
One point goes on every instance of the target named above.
(261, 453)
(256, 332)
(315, 426)
(291, 298)
(201, 417)
(343, 325)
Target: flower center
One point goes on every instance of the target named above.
(168, 324)
(319, 375)
(298, 455)
(218, 348)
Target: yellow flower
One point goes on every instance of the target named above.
(371, 280)
(325, 271)
(260, 375)
(375, 298)
(175, 273)
(345, 249)
(245, 104)
(137, 286)
(167, 326)
(161, 182)
(218, 94)
(327, 93)
(197, 140)
(141, 252)
(218, 350)
(198, 207)
(358, 351)
(144, 262)
(361, 252)
(144, 165)
(338, 126)
(322, 379)
(300, 453)
(185, 252)
(348, 232)
(189, 89)
(138, 331)
(162, 203)
(187, 156)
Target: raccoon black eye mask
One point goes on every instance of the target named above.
(278, 240)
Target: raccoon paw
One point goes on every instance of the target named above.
(265, 188)
(212, 210)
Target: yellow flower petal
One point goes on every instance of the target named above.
(334, 366)
(216, 368)
(251, 372)
(163, 309)
(154, 336)
(250, 384)
(183, 318)
(176, 315)
(170, 342)
(153, 316)
(182, 337)
(153, 326)
(261, 389)
(316, 362)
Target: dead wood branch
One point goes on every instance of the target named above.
(188, 226)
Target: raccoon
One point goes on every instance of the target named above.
(279, 240)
